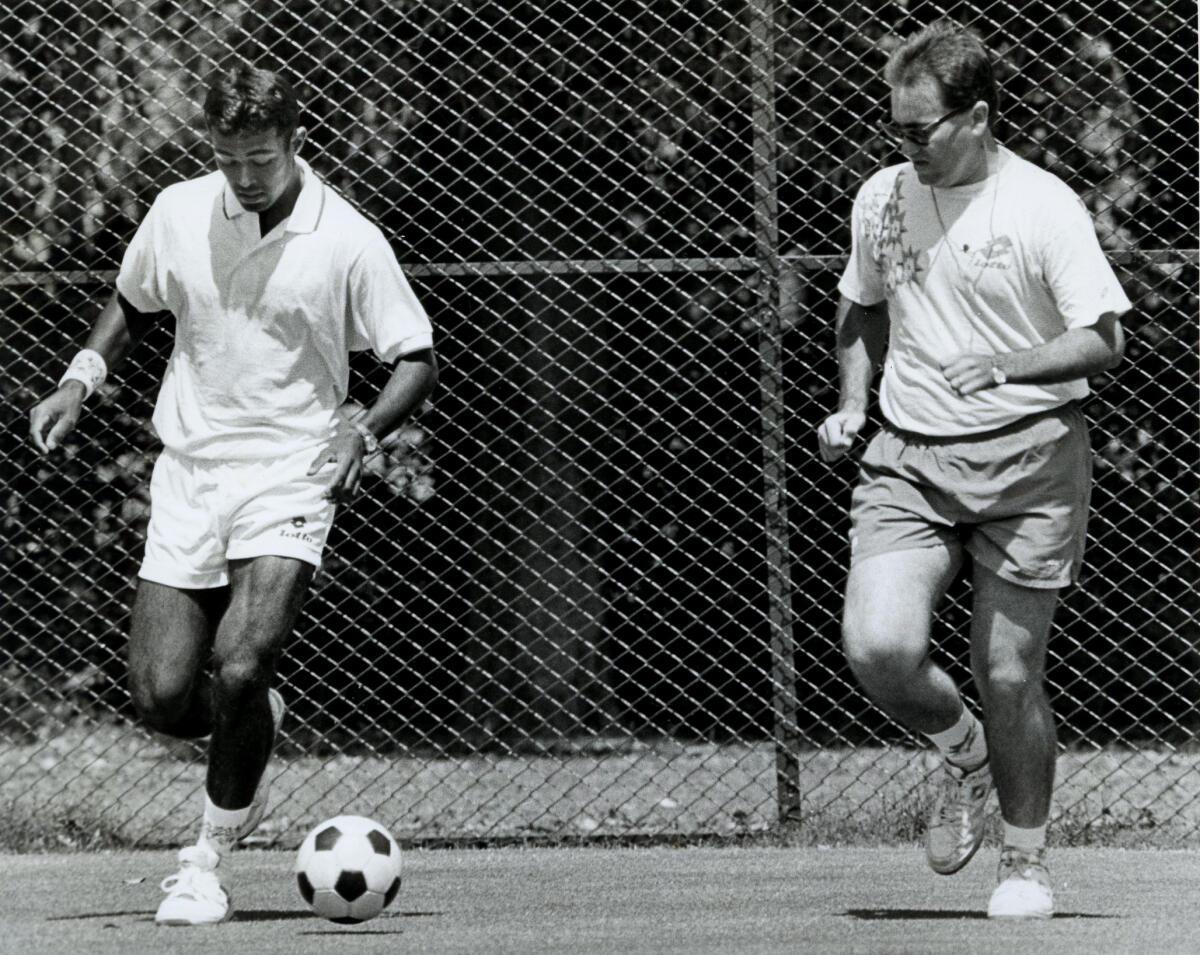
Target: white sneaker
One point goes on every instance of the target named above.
(258, 805)
(957, 821)
(1023, 886)
(195, 895)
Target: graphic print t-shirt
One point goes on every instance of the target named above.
(1016, 265)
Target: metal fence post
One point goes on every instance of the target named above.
(775, 519)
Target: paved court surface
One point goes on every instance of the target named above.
(704, 900)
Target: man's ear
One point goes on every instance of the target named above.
(298, 138)
(980, 114)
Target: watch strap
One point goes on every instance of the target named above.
(370, 442)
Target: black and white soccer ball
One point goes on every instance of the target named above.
(348, 869)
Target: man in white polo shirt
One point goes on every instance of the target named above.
(979, 277)
(273, 279)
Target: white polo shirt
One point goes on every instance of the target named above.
(996, 266)
(264, 325)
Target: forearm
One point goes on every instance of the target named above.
(117, 328)
(411, 382)
(1077, 353)
(53, 418)
(861, 343)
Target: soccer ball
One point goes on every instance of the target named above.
(348, 869)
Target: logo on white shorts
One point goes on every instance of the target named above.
(298, 534)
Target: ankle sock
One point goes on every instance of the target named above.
(963, 743)
(1027, 840)
(219, 827)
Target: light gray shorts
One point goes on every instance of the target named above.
(1016, 499)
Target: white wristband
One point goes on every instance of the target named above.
(88, 367)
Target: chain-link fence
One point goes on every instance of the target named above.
(595, 588)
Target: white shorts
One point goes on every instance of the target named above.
(204, 514)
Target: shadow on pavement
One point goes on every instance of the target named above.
(149, 913)
(884, 915)
(239, 915)
(272, 915)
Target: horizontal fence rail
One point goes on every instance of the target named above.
(594, 588)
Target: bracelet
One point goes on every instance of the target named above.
(87, 367)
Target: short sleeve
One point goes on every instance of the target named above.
(861, 281)
(142, 277)
(385, 315)
(1075, 268)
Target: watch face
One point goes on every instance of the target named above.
(370, 442)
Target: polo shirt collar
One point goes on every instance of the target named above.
(306, 213)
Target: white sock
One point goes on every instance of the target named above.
(219, 827)
(963, 743)
(1027, 840)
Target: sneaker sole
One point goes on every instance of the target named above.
(959, 866)
(184, 923)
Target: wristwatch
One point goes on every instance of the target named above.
(370, 442)
(998, 375)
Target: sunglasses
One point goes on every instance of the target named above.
(918, 135)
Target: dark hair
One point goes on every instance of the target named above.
(246, 99)
(954, 58)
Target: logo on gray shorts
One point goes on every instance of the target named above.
(1050, 568)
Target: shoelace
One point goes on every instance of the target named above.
(951, 786)
(1023, 864)
(199, 883)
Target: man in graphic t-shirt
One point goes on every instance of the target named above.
(976, 279)
(273, 279)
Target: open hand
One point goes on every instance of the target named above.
(346, 454)
(52, 419)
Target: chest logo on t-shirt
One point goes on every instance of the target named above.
(997, 253)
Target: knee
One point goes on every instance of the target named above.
(239, 675)
(1010, 683)
(879, 657)
(161, 698)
